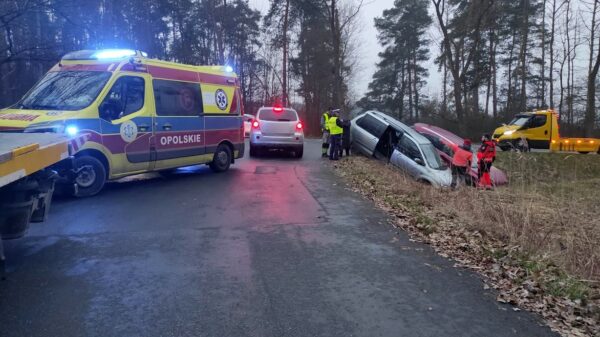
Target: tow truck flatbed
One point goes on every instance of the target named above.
(28, 164)
(22, 154)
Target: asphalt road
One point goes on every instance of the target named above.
(274, 247)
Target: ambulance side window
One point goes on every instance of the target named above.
(124, 98)
(174, 98)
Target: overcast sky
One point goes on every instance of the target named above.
(369, 46)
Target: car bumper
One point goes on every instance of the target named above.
(280, 142)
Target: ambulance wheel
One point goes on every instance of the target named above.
(91, 176)
(222, 159)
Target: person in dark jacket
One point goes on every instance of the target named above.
(345, 125)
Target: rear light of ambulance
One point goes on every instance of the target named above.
(299, 126)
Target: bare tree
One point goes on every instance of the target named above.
(593, 67)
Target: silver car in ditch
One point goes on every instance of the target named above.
(381, 136)
(277, 128)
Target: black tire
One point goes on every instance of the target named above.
(584, 152)
(253, 151)
(91, 176)
(221, 159)
(299, 152)
(505, 148)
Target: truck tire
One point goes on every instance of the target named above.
(584, 152)
(221, 159)
(91, 176)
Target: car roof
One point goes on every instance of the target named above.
(420, 139)
(439, 132)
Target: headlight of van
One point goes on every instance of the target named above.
(509, 132)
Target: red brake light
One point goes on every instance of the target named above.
(255, 124)
(299, 126)
(278, 109)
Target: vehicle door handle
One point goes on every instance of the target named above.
(143, 127)
(546, 132)
(167, 127)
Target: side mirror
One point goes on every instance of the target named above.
(419, 161)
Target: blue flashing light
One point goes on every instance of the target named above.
(229, 69)
(72, 130)
(114, 53)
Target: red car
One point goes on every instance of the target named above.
(445, 141)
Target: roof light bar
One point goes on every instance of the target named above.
(113, 54)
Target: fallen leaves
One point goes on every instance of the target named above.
(521, 283)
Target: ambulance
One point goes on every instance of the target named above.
(141, 114)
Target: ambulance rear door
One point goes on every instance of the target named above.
(178, 124)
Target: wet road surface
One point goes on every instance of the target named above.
(274, 247)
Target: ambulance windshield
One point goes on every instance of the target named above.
(65, 90)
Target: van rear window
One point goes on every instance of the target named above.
(175, 98)
(287, 115)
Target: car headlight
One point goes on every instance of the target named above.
(509, 132)
(52, 127)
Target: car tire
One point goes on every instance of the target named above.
(253, 151)
(584, 152)
(221, 159)
(91, 176)
(299, 152)
(517, 144)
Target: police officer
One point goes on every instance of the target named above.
(335, 132)
(325, 130)
(485, 157)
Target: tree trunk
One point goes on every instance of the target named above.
(543, 66)
(594, 65)
(284, 83)
(523, 56)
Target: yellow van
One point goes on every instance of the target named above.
(140, 114)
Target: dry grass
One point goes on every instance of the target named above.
(545, 224)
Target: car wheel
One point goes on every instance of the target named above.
(584, 152)
(221, 159)
(91, 176)
(299, 152)
(253, 151)
(518, 145)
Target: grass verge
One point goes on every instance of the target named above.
(536, 241)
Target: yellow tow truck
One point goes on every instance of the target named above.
(29, 163)
(540, 130)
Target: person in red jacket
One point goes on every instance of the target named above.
(461, 161)
(485, 157)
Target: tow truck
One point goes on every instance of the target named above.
(540, 130)
(29, 166)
